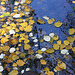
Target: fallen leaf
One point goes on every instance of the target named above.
(58, 24)
(41, 21)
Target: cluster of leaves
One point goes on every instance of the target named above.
(14, 33)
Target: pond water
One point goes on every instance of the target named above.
(57, 9)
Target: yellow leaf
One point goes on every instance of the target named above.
(15, 57)
(13, 41)
(50, 50)
(56, 37)
(50, 21)
(73, 49)
(19, 20)
(46, 69)
(20, 62)
(28, 1)
(66, 42)
(4, 25)
(73, 1)
(58, 68)
(43, 62)
(31, 22)
(62, 46)
(26, 41)
(41, 21)
(71, 31)
(58, 24)
(28, 28)
(19, 44)
(31, 18)
(14, 65)
(1, 16)
(40, 52)
(27, 46)
(2, 2)
(27, 9)
(68, 47)
(13, 72)
(3, 40)
(62, 65)
(59, 42)
(26, 36)
(5, 48)
(22, 35)
(56, 46)
(70, 39)
(0, 73)
(24, 24)
(49, 73)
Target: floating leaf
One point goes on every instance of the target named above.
(58, 24)
(56, 37)
(27, 46)
(66, 42)
(40, 52)
(3, 40)
(13, 72)
(24, 24)
(46, 69)
(2, 2)
(19, 20)
(41, 21)
(59, 42)
(26, 41)
(73, 49)
(73, 1)
(70, 39)
(28, 28)
(15, 57)
(68, 47)
(62, 46)
(20, 62)
(71, 31)
(50, 21)
(58, 68)
(13, 41)
(49, 73)
(28, 1)
(56, 46)
(6, 14)
(14, 64)
(1, 16)
(22, 55)
(5, 48)
(30, 51)
(43, 62)
(62, 65)
(50, 50)
(0, 73)
(9, 60)
(31, 22)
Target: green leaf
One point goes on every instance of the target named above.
(6, 14)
